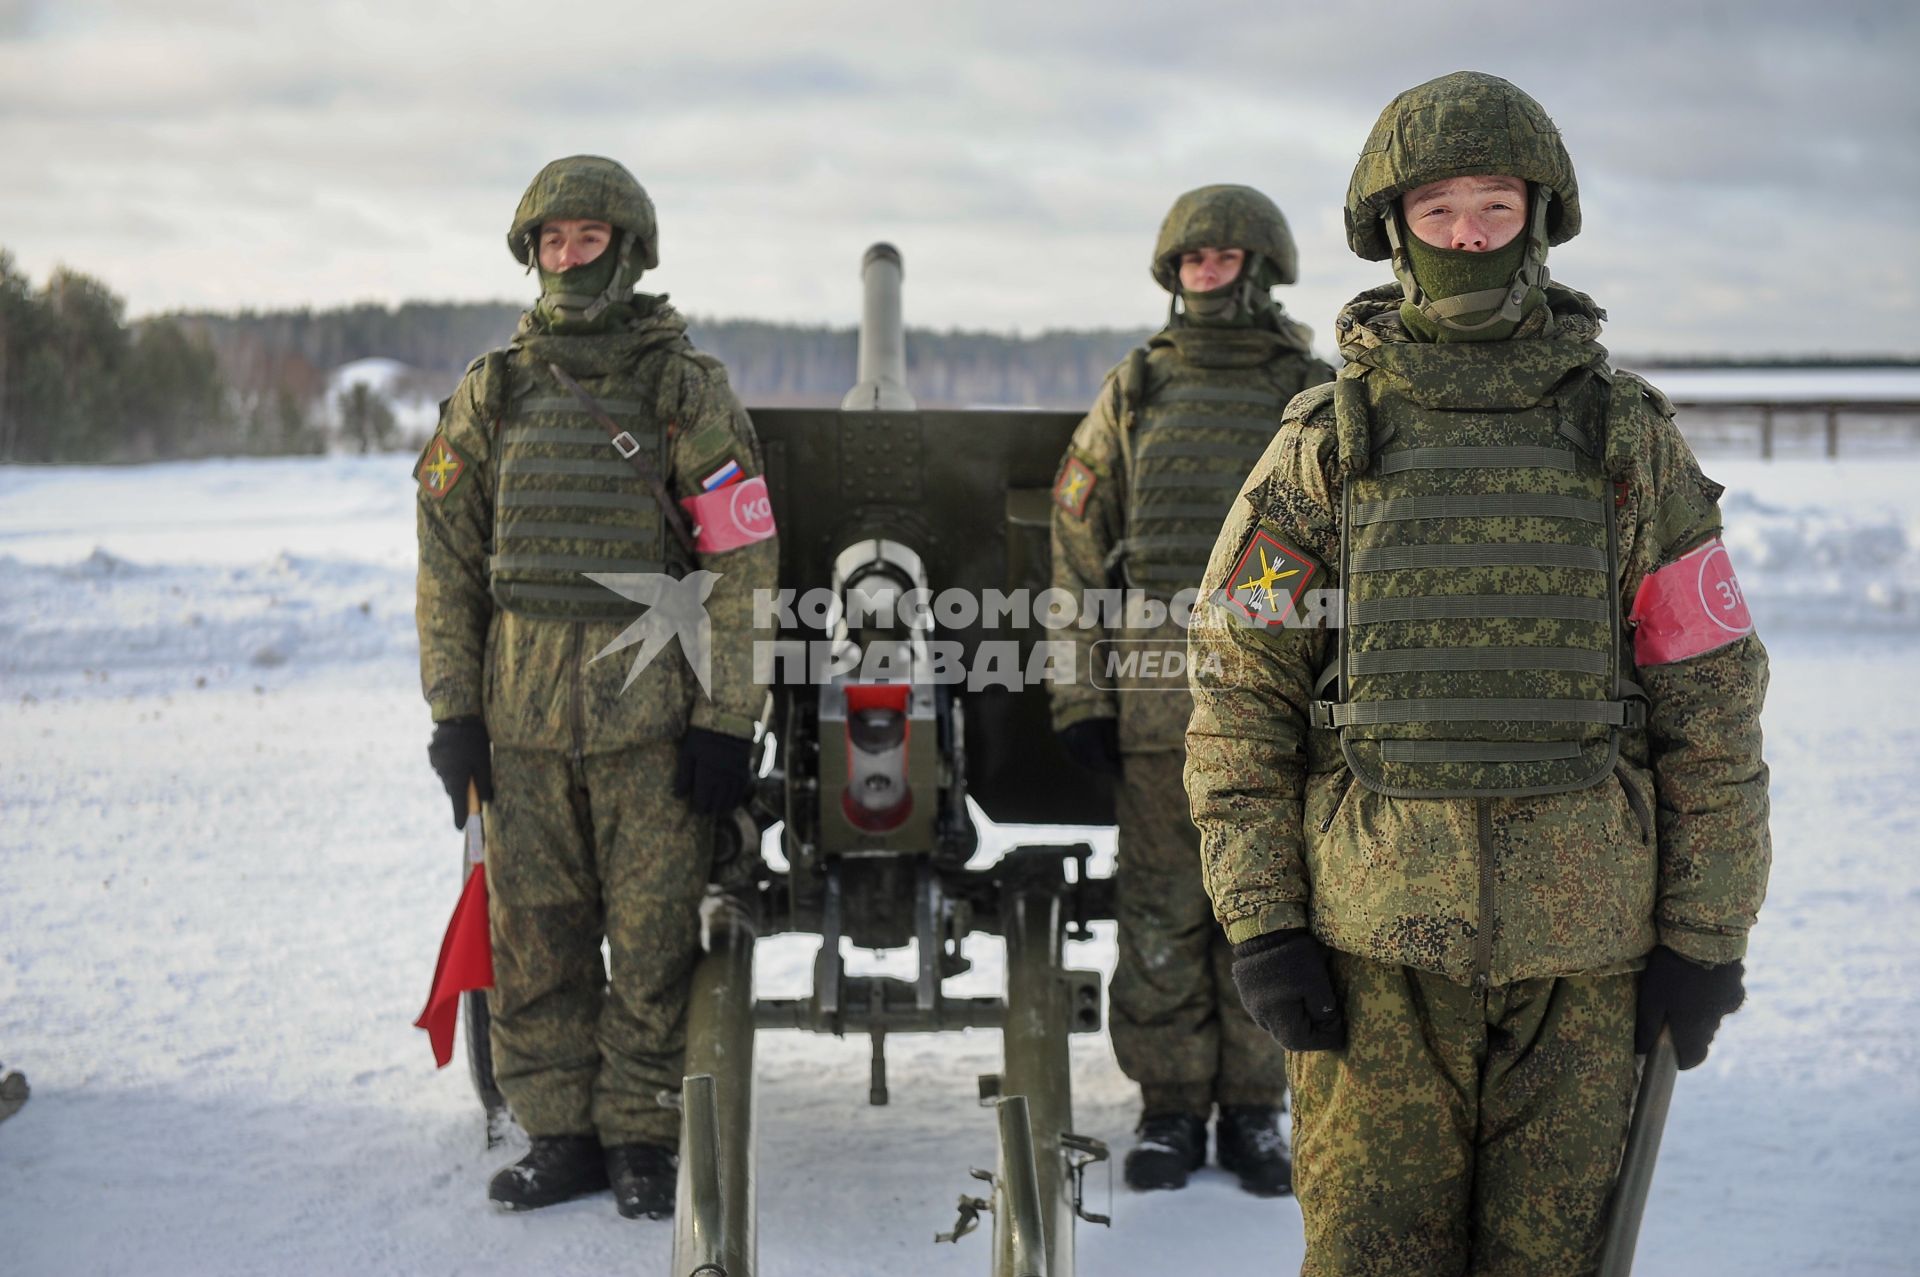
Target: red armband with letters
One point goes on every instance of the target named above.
(731, 516)
(1688, 607)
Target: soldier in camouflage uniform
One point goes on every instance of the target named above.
(1478, 845)
(1142, 489)
(604, 780)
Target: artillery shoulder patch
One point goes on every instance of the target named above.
(440, 469)
(1074, 486)
(1269, 577)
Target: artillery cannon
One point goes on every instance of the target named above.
(878, 746)
(891, 716)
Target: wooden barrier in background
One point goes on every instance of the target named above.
(1830, 411)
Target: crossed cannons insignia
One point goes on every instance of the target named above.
(1269, 579)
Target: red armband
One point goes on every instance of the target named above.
(1690, 606)
(732, 516)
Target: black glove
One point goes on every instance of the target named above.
(1093, 743)
(1283, 983)
(460, 751)
(1689, 999)
(713, 775)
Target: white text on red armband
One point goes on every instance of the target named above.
(1690, 606)
(730, 517)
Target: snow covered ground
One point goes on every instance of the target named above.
(224, 866)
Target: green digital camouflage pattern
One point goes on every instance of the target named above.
(1225, 217)
(587, 187)
(1462, 1130)
(534, 679)
(578, 848)
(565, 502)
(1671, 847)
(1232, 365)
(1458, 125)
(1528, 524)
(1177, 1025)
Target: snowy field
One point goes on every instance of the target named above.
(225, 865)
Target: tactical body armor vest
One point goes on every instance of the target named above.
(1187, 451)
(1480, 652)
(567, 501)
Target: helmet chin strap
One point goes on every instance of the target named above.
(1509, 299)
(587, 308)
(1241, 303)
(620, 285)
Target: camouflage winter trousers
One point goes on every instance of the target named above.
(1177, 1024)
(1462, 1130)
(578, 849)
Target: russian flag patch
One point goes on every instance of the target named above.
(729, 473)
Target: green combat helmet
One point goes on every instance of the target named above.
(1229, 217)
(591, 187)
(1460, 125)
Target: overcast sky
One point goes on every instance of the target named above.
(1749, 171)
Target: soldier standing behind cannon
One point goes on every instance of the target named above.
(1140, 494)
(599, 441)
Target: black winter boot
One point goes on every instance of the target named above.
(1171, 1147)
(643, 1178)
(1246, 1139)
(556, 1168)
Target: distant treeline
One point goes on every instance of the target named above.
(769, 363)
(79, 382)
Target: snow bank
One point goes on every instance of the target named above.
(172, 573)
(151, 624)
(179, 574)
(1825, 543)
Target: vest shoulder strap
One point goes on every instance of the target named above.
(491, 370)
(1130, 389)
(1634, 383)
(1304, 406)
(1627, 405)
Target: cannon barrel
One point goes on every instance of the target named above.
(883, 336)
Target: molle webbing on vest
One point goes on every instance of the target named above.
(1480, 650)
(1476, 459)
(1196, 441)
(1412, 660)
(1492, 751)
(1469, 710)
(1394, 558)
(1454, 607)
(1490, 505)
(568, 503)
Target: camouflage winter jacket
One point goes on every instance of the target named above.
(1672, 848)
(535, 679)
(1090, 514)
